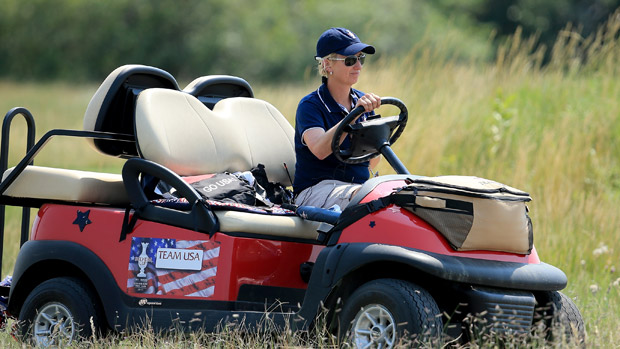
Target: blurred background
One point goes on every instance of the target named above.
(265, 41)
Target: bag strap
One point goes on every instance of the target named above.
(128, 224)
(352, 214)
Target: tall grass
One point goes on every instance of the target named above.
(550, 129)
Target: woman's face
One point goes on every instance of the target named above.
(345, 74)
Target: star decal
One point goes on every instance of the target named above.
(372, 224)
(82, 219)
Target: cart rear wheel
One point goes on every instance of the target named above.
(57, 312)
(383, 312)
(560, 317)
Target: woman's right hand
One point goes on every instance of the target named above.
(369, 101)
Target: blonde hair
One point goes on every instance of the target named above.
(321, 65)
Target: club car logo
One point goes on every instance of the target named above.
(142, 302)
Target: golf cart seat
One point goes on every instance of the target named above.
(57, 184)
(110, 110)
(177, 131)
(211, 89)
(112, 107)
(237, 135)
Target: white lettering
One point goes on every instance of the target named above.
(209, 188)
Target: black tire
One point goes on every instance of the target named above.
(383, 312)
(559, 318)
(58, 312)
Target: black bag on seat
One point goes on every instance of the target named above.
(226, 187)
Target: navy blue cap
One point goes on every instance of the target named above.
(341, 41)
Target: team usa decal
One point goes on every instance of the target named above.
(172, 267)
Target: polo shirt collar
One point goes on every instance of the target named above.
(330, 103)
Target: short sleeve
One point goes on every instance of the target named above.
(309, 115)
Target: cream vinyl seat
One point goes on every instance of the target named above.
(109, 110)
(176, 130)
(57, 184)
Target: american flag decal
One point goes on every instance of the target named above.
(190, 283)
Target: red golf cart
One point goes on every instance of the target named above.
(111, 252)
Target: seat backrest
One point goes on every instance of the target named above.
(211, 89)
(112, 107)
(177, 130)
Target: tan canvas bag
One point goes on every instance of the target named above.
(472, 213)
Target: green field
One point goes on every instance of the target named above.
(550, 130)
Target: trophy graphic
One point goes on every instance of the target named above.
(143, 260)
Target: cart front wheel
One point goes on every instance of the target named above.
(388, 312)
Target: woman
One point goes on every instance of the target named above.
(320, 179)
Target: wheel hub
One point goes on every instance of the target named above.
(373, 327)
(53, 325)
(376, 332)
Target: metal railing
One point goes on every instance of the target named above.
(32, 150)
(4, 160)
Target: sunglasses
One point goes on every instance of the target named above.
(350, 61)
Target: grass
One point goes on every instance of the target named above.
(551, 130)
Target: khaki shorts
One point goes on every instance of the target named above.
(328, 193)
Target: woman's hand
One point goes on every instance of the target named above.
(369, 101)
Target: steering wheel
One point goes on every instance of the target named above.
(368, 137)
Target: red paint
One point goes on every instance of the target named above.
(247, 260)
(242, 260)
(396, 226)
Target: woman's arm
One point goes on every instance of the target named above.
(374, 162)
(319, 141)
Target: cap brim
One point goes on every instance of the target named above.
(355, 48)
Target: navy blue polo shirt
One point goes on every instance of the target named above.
(319, 109)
